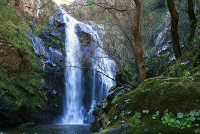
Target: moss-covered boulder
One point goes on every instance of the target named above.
(155, 94)
(159, 94)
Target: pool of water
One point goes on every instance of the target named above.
(50, 129)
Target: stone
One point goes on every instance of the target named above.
(84, 37)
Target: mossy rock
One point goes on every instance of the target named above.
(197, 76)
(148, 126)
(187, 65)
(121, 129)
(159, 94)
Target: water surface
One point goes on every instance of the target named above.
(50, 129)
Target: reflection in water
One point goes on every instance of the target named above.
(51, 129)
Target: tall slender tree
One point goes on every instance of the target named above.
(174, 28)
(193, 19)
(141, 70)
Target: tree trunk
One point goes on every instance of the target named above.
(174, 28)
(141, 70)
(17, 2)
(192, 17)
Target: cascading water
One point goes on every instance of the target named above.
(73, 112)
(81, 95)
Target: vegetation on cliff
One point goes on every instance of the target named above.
(21, 70)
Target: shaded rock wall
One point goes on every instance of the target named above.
(30, 76)
(49, 44)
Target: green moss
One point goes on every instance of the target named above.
(20, 89)
(157, 94)
(197, 76)
(146, 125)
(13, 31)
(55, 43)
(187, 65)
(112, 89)
(4, 2)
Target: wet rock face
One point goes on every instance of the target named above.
(87, 44)
(85, 38)
(50, 44)
(13, 58)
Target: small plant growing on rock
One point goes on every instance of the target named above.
(136, 118)
(156, 115)
(127, 101)
(182, 120)
(115, 117)
(129, 112)
(145, 111)
(108, 123)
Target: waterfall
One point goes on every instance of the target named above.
(73, 111)
(81, 95)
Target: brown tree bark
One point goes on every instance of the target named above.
(17, 2)
(141, 70)
(192, 17)
(174, 28)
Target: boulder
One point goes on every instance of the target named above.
(159, 94)
(154, 94)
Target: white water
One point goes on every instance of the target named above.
(75, 112)
(103, 66)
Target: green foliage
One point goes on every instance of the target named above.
(152, 95)
(127, 101)
(136, 118)
(182, 120)
(89, 1)
(131, 71)
(104, 102)
(145, 111)
(112, 89)
(156, 115)
(186, 66)
(4, 2)
(156, 65)
(118, 95)
(180, 115)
